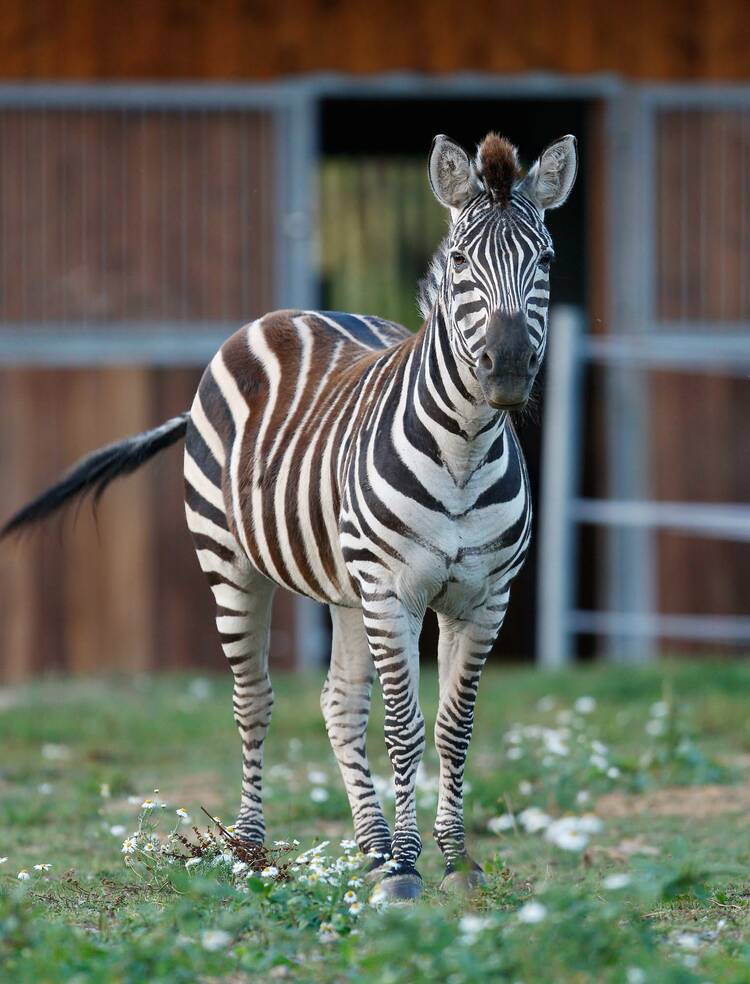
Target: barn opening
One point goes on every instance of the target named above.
(379, 225)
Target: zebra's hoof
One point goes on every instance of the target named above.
(405, 887)
(463, 881)
(376, 870)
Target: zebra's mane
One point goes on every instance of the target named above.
(429, 285)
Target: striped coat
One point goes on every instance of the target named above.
(341, 457)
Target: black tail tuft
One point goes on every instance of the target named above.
(93, 473)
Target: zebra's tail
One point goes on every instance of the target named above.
(93, 473)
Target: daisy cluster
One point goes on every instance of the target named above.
(328, 880)
(564, 755)
(24, 875)
(570, 833)
(569, 743)
(318, 880)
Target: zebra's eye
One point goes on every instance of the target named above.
(459, 261)
(545, 260)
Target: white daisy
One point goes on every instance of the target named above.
(327, 933)
(496, 825)
(585, 705)
(532, 819)
(215, 939)
(616, 881)
(532, 912)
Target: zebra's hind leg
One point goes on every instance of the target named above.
(243, 617)
(345, 702)
(243, 606)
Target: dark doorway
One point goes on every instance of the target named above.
(380, 226)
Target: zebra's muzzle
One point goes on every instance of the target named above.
(511, 394)
(507, 367)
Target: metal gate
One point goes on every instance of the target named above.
(676, 358)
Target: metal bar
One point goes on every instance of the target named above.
(636, 625)
(630, 579)
(728, 352)
(296, 173)
(103, 95)
(158, 343)
(730, 521)
(560, 449)
(696, 95)
(524, 85)
(315, 86)
(312, 643)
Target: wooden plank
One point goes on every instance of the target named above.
(126, 526)
(17, 557)
(184, 629)
(82, 583)
(235, 40)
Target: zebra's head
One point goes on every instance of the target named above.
(492, 274)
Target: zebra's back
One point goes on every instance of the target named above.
(269, 430)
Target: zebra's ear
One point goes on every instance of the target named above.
(551, 178)
(453, 178)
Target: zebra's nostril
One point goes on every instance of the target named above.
(533, 362)
(486, 362)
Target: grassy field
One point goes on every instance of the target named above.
(647, 881)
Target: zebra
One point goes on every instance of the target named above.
(376, 471)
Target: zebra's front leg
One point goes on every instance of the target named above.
(462, 650)
(345, 702)
(393, 636)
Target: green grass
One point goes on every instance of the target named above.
(683, 916)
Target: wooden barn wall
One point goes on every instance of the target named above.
(118, 588)
(700, 445)
(118, 219)
(134, 216)
(263, 39)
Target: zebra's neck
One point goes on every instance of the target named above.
(445, 411)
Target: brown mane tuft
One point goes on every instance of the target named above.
(498, 167)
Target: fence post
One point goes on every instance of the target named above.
(556, 570)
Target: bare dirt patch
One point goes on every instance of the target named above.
(697, 802)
